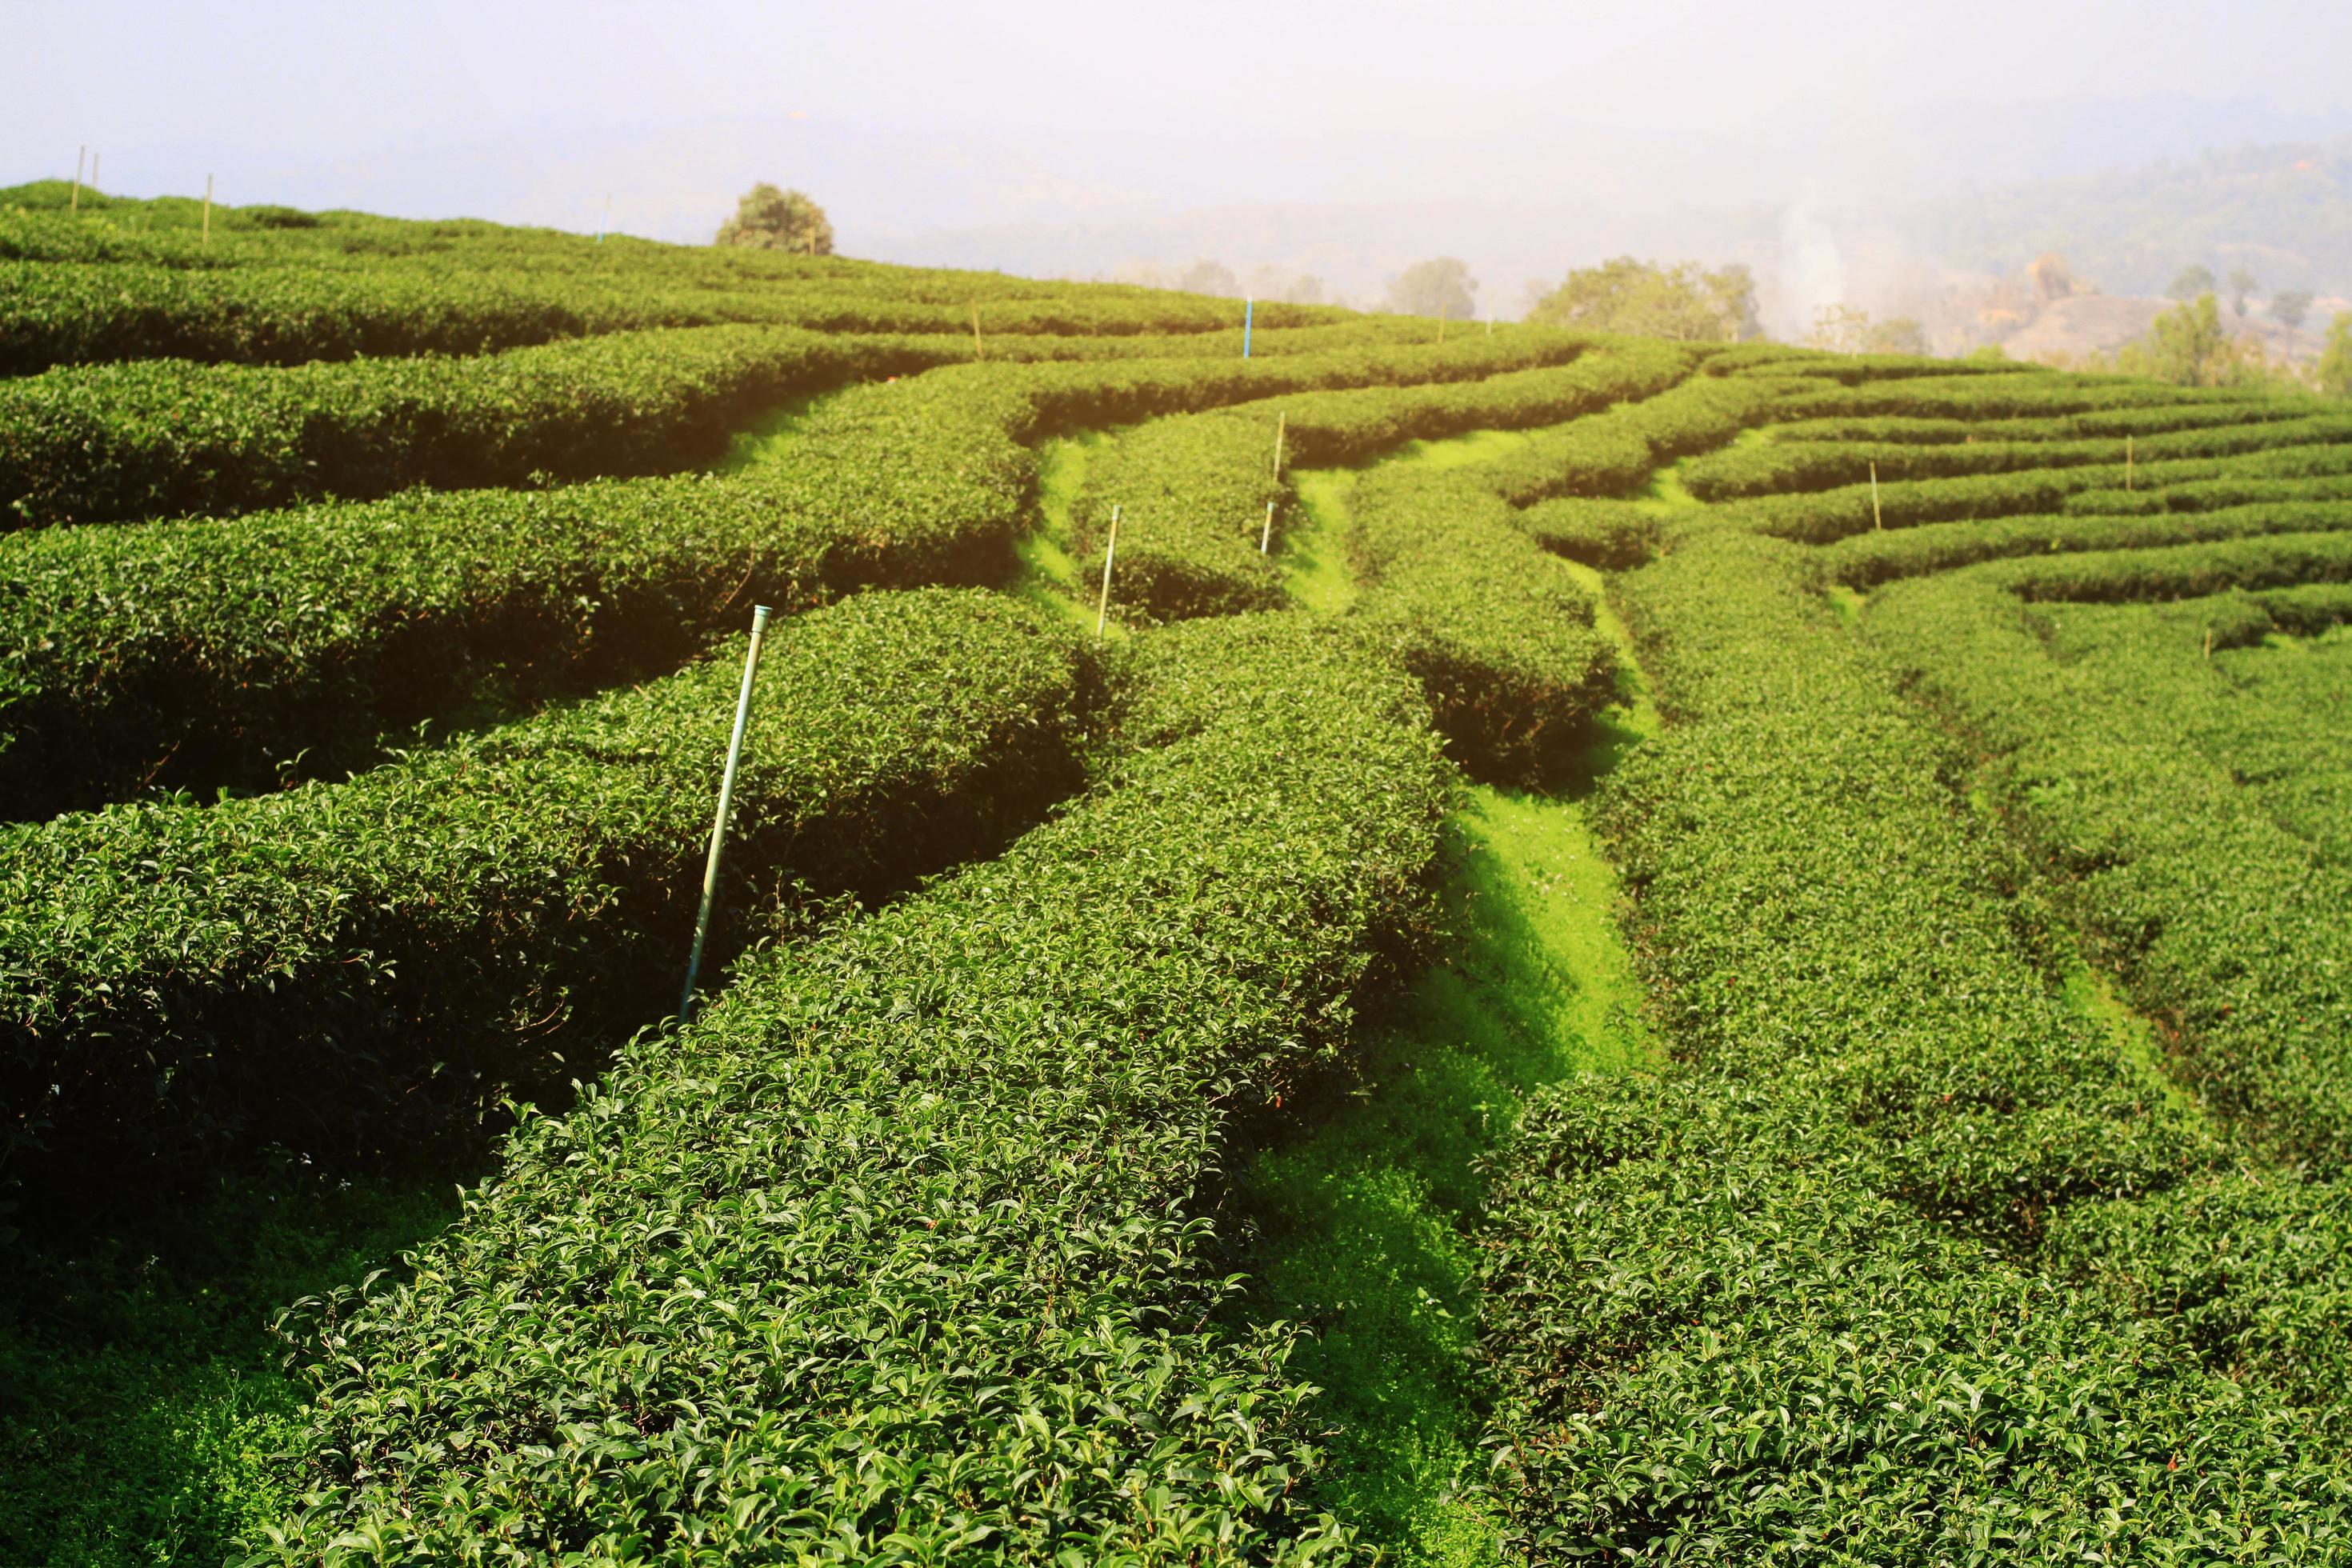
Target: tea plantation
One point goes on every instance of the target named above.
(1616, 950)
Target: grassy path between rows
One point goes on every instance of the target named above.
(1362, 1222)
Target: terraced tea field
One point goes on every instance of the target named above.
(1683, 953)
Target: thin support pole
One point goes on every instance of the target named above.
(1279, 425)
(759, 614)
(976, 352)
(1265, 535)
(1249, 315)
(1110, 551)
(1876, 521)
(80, 153)
(208, 209)
(2127, 462)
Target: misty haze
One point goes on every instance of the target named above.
(1470, 787)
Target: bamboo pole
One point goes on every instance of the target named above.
(1278, 425)
(2127, 462)
(93, 176)
(74, 202)
(1265, 535)
(1110, 550)
(1876, 521)
(759, 614)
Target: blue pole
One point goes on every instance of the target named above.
(1249, 311)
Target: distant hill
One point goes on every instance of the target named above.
(2282, 211)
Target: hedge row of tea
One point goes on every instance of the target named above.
(1192, 490)
(335, 967)
(1777, 1293)
(891, 1256)
(217, 652)
(92, 289)
(112, 442)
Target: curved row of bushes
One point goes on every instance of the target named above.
(1785, 1293)
(896, 1254)
(1822, 516)
(60, 313)
(214, 652)
(2147, 419)
(154, 438)
(335, 967)
(1192, 490)
(1777, 467)
(1866, 560)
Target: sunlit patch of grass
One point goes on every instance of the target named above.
(145, 1415)
(1363, 1220)
(1312, 550)
(1050, 575)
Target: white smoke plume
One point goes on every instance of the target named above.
(1810, 274)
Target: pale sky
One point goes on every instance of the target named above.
(906, 119)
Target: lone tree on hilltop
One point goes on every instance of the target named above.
(770, 219)
(1683, 302)
(2189, 346)
(2241, 283)
(2289, 306)
(1206, 277)
(2189, 282)
(1440, 287)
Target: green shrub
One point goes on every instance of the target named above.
(221, 652)
(335, 967)
(893, 1255)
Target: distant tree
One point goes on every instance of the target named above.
(1304, 289)
(1846, 329)
(2241, 283)
(2289, 307)
(2189, 346)
(1646, 299)
(2334, 373)
(1440, 287)
(770, 219)
(1210, 277)
(2189, 282)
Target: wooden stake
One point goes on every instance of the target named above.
(2127, 462)
(93, 175)
(74, 204)
(2208, 642)
(1278, 442)
(976, 352)
(208, 209)
(1110, 550)
(1876, 521)
(1265, 535)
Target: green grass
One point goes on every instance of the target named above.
(1362, 1222)
(1313, 549)
(1456, 451)
(758, 442)
(145, 1410)
(1050, 576)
